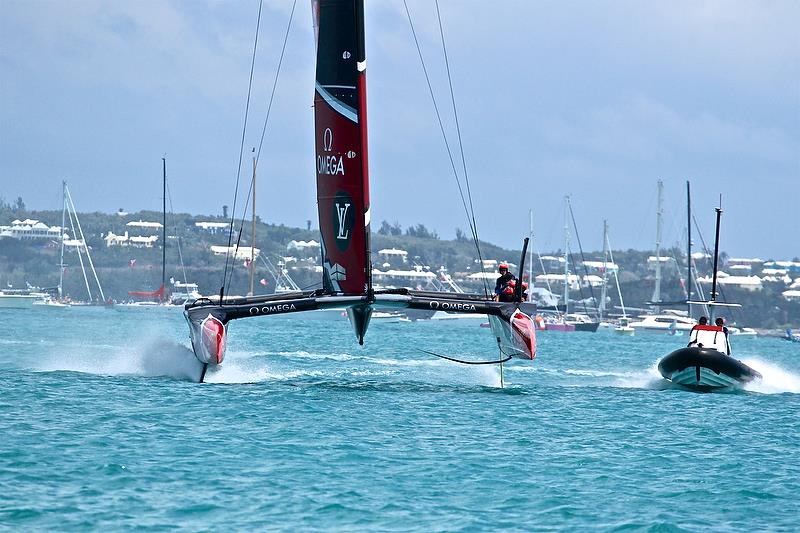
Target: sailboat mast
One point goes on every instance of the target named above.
(616, 278)
(688, 248)
(659, 214)
(253, 233)
(601, 309)
(163, 227)
(63, 221)
(566, 254)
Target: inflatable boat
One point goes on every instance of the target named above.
(705, 365)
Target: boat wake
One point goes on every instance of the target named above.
(253, 368)
(582, 377)
(156, 358)
(775, 380)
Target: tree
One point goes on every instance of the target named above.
(385, 229)
(422, 232)
(460, 236)
(19, 205)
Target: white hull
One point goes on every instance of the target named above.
(661, 331)
(18, 301)
(51, 304)
(625, 330)
(444, 315)
(708, 379)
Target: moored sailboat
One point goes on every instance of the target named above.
(342, 175)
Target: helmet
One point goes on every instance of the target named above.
(512, 283)
(502, 266)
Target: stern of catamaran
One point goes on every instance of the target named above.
(515, 337)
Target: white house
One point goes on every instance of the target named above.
(144, 225)
(30, 229)
(137, 241)
(751, 283)
(241, 253)
(213, 227)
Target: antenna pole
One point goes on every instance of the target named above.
(716, 259)
(518, 288)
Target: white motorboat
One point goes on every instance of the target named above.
(19, 299)
(663, 323)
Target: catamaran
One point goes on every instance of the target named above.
(342, 176)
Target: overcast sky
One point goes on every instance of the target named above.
(598, 100)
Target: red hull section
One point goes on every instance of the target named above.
(159, 295)
(524, 332)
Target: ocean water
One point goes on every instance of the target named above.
(302, 429)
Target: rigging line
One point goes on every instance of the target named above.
(460, 143)
(70, 209)
(86, 247)
(177, 236)
(463, 362)
(251, 190)
(275, 82)
(241, 229)
(446, 142)
(616, 276)
(241, 153)
(583, 261)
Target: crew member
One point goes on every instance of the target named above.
(503, 290)
(693, 333)
(720, 322)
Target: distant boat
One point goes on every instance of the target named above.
(159, 295)
(664, 323)
(568, 322)
(18, 298)
(78, 242)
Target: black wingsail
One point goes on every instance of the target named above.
(340, 130)
(342, 176)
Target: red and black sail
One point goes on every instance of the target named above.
(340, 119)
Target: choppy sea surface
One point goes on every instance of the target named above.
(302, 429)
